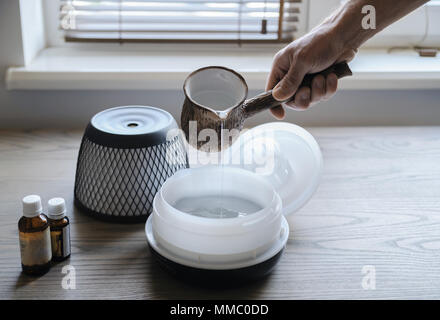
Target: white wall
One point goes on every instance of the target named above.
(68, 109)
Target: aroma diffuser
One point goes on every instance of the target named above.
(126, 155)
(239, 233)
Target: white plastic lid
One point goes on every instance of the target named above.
(286, 155)
(32, 206)
(56, 208)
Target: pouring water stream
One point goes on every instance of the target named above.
(215, 98)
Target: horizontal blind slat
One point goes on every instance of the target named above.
(196, 36)
(183, 10)
(142, 2)
(185, 28)
(177, 27)
(180, 8)
(182, 18)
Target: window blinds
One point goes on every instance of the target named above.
(174, 20)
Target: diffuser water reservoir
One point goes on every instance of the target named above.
(218, 243)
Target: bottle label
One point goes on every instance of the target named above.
(35, 247)
(60, 242)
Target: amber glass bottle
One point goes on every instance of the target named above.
(34, 235)
(59, 229)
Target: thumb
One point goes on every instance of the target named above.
(287, 87)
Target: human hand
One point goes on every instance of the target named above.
(312, 53)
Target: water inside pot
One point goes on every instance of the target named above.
(217, 206)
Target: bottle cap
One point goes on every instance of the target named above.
(32, 206)
(57, 208)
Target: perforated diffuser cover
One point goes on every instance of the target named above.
(118, 175)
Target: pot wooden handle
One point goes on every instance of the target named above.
(266, 101)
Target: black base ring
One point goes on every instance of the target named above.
(218, 278)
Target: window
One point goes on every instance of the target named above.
(92, 64)
(419, 28)
(174, 20)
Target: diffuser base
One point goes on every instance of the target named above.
(218, 278)
(213, 275)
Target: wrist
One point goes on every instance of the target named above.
(345, 26)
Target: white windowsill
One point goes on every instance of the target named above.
(75, 69)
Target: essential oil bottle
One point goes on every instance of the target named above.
(34, 235)
(59, 229)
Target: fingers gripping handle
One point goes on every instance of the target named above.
(266, 101)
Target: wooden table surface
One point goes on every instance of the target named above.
(378, 206)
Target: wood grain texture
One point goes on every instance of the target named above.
(378, 204)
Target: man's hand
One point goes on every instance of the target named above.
(335, 40)
(312, 53)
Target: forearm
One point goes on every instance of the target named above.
(346, 22)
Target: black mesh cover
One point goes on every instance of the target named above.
(120, 183)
